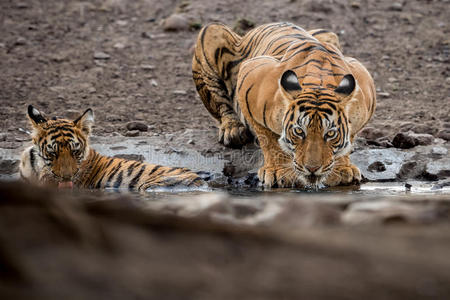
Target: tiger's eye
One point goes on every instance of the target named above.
(331, 134)
(299, 132)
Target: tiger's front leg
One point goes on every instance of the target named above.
(278, 170)
(344, 172)
(215, 80)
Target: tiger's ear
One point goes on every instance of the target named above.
(289, 85)
(85, 121)
(35, 117)
(346, 86)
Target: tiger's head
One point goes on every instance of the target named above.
(315, 128)
(62, 144)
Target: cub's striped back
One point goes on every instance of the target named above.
(61, 156)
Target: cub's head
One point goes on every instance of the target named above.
(315, 128)
(62, 144)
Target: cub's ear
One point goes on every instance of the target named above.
(347, 85)
(289, 84)
(35, 117)
(85, 121)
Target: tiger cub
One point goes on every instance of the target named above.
(295, 90)
(61, 156)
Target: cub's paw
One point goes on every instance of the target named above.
(343, 174)
(277, 177)
(232, 133)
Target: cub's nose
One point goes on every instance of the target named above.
(312, 169)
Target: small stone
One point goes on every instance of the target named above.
(371, 133)
(424, 128)
(438, 150)
(422, 139)
(20, 41)
(119, 45)
(191, 142)
(135, 157)
(2, 137)
(403, 141)
(147, 67)
(154, 83)
(175, 22)
(396, 6)
(355, 4)
(92, 90)
(384, 94)
(437, 169)
(179, 92)
(122, 22)
(101, 55)
(137, 126)
(133, 133)
(444, 134)
(22, 5)
(377, 166)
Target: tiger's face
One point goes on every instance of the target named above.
(315, 129)
(62, 145)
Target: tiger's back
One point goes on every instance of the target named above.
(218, 55)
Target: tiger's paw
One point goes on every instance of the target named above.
(277, 177)
(343, 175)
(232, 133)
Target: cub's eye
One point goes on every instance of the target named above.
(331, 134)
(299, 132)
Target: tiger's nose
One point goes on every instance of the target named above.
(312, 169)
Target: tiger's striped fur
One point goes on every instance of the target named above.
(61, 153)
(294, 90)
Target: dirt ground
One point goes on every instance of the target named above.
(49, 57)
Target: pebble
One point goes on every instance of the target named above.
(444, 134)
(179, 92)
(175, 22)
(131, 126)
(377, 166)
(153, 82)
(147, 67)
(135, 157)
(439, 150)
(101, 55)
(119, 45)
(384, 94)
(122, 22)
(191, 142)
(396, 6)
(20, 41)
(403, 141)
(133, 133)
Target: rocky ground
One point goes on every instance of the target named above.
(130, 62)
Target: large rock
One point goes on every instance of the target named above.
(438, 169)
(380, 164)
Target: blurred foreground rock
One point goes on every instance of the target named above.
(116, 249)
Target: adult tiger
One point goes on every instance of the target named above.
(295, 90)
(61, 156)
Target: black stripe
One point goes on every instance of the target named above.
(132, 167)
(118, 181)
(320, 32)
(246, 101)
(264, 113)
(136, 178)
(113, 172)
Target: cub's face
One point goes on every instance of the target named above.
(62, 145)
(315, 129)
